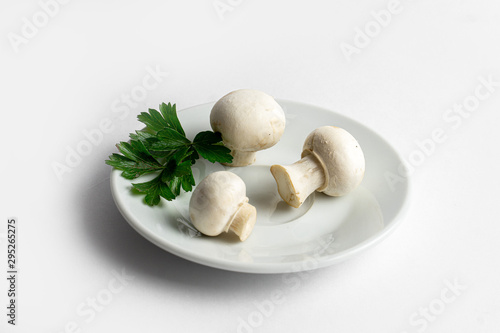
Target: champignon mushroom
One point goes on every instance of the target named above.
(332, 162)
(219, 204)
(248, 120)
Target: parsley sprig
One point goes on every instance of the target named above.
(162, 148)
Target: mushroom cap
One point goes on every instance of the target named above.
(249, 120)
(341, 157)
(215, 201)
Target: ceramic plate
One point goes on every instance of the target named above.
(323, 231)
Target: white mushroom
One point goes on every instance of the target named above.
(249, 121)
(219, 204)
(332, 162)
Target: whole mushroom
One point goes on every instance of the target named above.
(219, 204)
(332, 162)
(248, 120)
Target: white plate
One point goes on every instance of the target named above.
(323, 231)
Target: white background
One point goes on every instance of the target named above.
(69, 74)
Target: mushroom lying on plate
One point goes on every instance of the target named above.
(219, 204)
(332, 162)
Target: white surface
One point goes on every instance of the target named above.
(76, 72)
(322, 232)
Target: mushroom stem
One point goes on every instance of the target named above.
(244, 220)
(297, 181)
(241, 158)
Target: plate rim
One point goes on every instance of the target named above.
(268, 267)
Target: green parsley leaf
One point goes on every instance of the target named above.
(169, 139)
(142, 136)
(154, 189)
(135, 160)
(157, 121)
(170, 115)
(187, 182)
(162, 148)
(208, 137)
(209, 146)
(176, 186)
